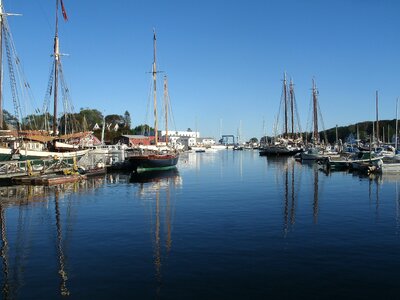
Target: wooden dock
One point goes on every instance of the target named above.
(51, 179)
(13, 169)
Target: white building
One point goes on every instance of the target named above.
(188, 133)
(206, 141)
(185, 138)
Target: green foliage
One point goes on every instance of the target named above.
(143, 129)
(92, 117)
(9, 119)
(115, 119)
(127, 119)
(253, 140)
(365, 130)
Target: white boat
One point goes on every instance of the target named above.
(218, 147)
(390, 164)
(34, 144)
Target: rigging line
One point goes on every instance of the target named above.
(46, 17)
(297, 114)
(148, 108)
(280, 110)
(11, 55)
(308, 125)
(13, 85)
(67, 103)
(322, 123)
(19, 64)
(49, 90)
(171, 113)
(276, 125)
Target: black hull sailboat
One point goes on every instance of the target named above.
(153, 162)
(143, 177)
(160, 158)
(290, 143)
(279, 151)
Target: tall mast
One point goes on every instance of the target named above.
(377, 119)
(56, 61)
(373, 133)
(155, 89)
(285, 105)
(397, 117)
(166, 108)
(291, 91)
(315, 112)
(337, 140)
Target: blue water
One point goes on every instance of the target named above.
(226, 225)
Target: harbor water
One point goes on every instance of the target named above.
(224, 225)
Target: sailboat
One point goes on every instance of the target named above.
(32, 144)
(156, 157)
(289, 143)
(313, 152)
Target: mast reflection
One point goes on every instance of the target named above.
(315, 199)
(4, 253)
(289, 193)
(157, 186)
(19, 197)
(62, 271)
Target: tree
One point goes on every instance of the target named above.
(253, 140)
(143, 129)
(92, 117)
(127, 119)
(39, 122)
(9, 119)
(115, 119)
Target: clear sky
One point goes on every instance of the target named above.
(224, 59)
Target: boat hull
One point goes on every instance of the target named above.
(278, 151)
(154, 162)
(8, 154)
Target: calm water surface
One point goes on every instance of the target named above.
(226, 225)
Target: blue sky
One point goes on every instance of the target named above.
(224, 59)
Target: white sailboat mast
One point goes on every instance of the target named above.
(155, 90)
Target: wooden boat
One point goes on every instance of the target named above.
(289, 142)
(336, 163)
(366, 161)
(158, 159)
(390, 164)
(21, 144)
(52, 179)
(155, 176)
(279, 150)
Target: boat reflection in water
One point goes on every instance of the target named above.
(292, 171)
(15, 259)
(154, 176)
(157, 186)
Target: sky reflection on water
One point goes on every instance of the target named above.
(224, 225)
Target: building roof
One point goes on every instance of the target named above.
(132, 136)
(39, 138)
(205, 138)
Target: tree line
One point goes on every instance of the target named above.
(86, 119)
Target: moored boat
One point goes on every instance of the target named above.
(158, 158)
